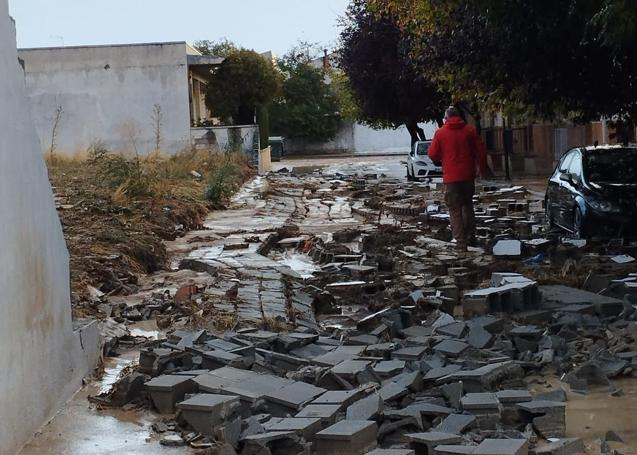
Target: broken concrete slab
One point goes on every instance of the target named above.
(566, 446)
(454, 450)
(389, 368)
(413, 353)
(347, 437)
(166, 391)
(513, 396)
(340, 397)
(425, 443)
(365, 409)
(507, 248)
(305, 427)
(326, 412)
(502, 447)
(456, 423)
(204, 412)
(292, 397)
(548, 417)
(451, 348)
(480, 401)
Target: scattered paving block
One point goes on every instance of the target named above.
(507, 248)
(401, 385)
(417, 331)
(391, 452)
(566, 446)
(205, 411)
(456, 423)
(479, 337)
(326, 412)
(347, 437)
(553, 395)
(338, 355)
(366, 409)
(502, 447)
(451, 348)
(456, 330)
(166, 391)
(454, 450)
(389, 368)
(340, 397)
(548, 417)
(441, 372)
(409, 354)
(348, 369)
(306, 427)
(362, 340)
(256, 443)
(453, 392)
(425, 443)
(291, 398)
(513, 396)
(383, 350)
(479, 401)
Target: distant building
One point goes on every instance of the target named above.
(115, 95)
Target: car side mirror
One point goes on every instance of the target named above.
(566, 177)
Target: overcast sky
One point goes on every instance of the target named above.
(262, 25)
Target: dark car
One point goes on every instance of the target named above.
(593, 192)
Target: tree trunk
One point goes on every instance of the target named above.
(416, 132)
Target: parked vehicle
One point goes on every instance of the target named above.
(419, 165)
(593, 191)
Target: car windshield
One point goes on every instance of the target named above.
(422, 149)
(612, 166)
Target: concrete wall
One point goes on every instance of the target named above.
(246, 138)
(42, 359)
(107, 93)
(357, 138)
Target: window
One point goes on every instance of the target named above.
(566, 161)
(575, 167)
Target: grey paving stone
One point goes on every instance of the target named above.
(454, 450)
(391, 452)
(479, 337)
(366, 409)
(513, 396)
(456, 423)
(348, 369)
(417, 331)
(566, 446)
(456, 330)
(362, 340)
(325, 412)
(429, 441)
(389, 368)
(409, 354)
(441, 372)
(502, 447)
(347, 437)
(541, 407)
(303, 426)
(294, 395)
(165, 391)
(479, 401)
(451, 348)
(204, 412)
(340, 397)
(453, 392)
(338, 355)
(553, 395)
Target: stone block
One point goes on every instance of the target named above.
(165, 391)
(480, 401)
(502, 447)
(348, 369)
(456, 423)
(566, 446)
(204, 412)
(391, 452)
(451, 348)
(366, 409)
(305, 427)
(342, 398)
(454, 450)
(548, 417)
(479, 338)
(326, 412)
(456, 330)
(425, 443)
(347, 437)
(389, 368)
(513, 396)
(413, 353)
(291, 398)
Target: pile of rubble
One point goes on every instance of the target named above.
(393, 343)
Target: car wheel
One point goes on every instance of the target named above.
(410, 176)
(578, 224)
(550, 220)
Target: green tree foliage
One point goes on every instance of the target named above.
(307, 108)
(243, 83)
(221, 48)
(554, 58)
(376, 57)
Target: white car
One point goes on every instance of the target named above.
(419, 165)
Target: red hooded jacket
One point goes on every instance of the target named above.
(461, 151)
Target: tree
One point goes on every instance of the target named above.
(376, 57)
(570, 58)
(307, 108)
(242, 84)
(221, 48)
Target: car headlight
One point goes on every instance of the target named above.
(422, 163)
(604, 206)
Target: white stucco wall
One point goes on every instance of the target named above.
(108, 93)
(42, 360)
(358, 138)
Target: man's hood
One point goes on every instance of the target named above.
(455, 122)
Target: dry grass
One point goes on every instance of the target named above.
(117, 210)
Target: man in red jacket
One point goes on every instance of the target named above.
(461, 151)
